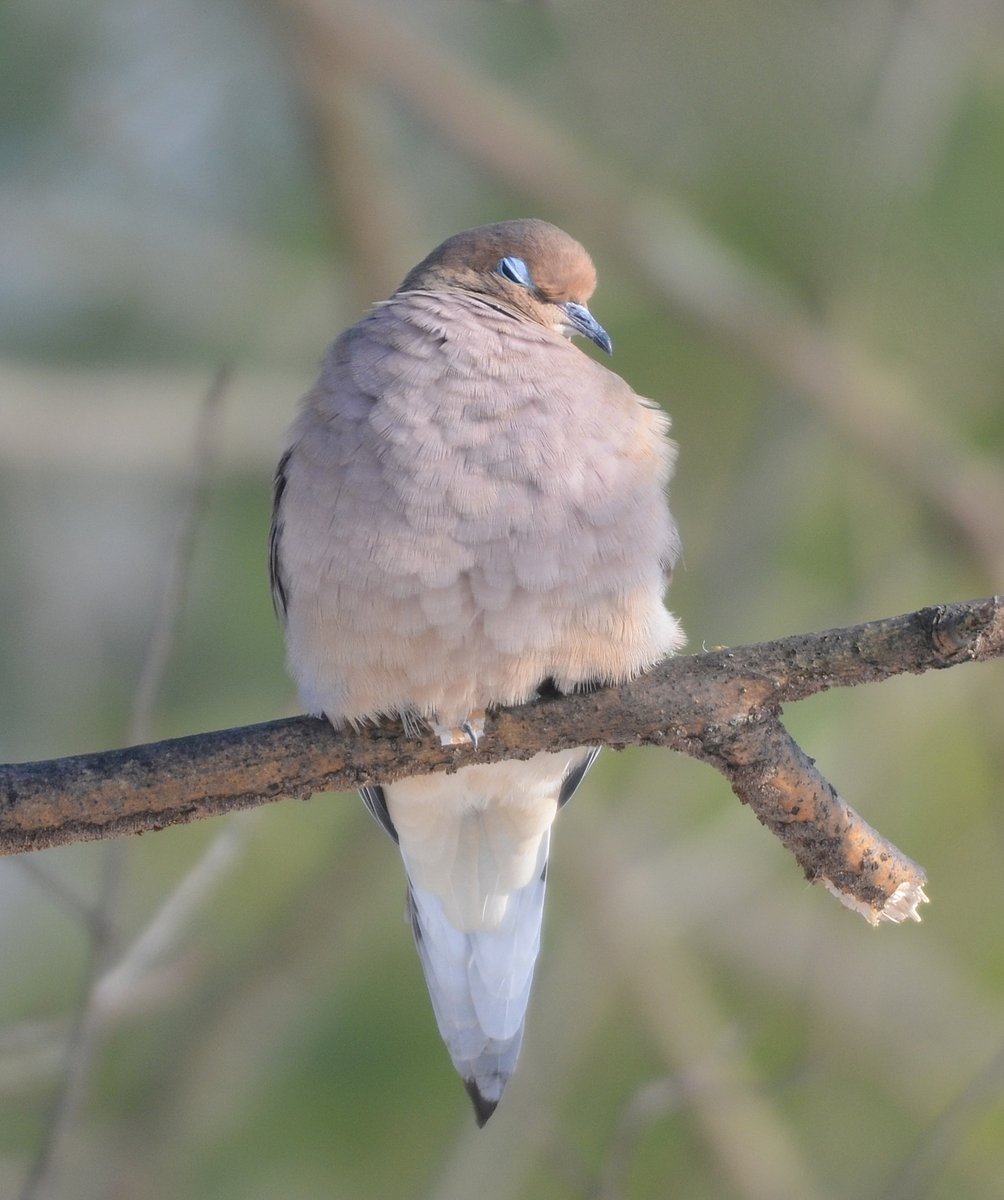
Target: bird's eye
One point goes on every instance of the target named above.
(515, 270)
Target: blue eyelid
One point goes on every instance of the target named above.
(515, 270)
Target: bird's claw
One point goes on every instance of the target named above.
(470, 731)
(474, 727)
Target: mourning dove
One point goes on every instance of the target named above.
(470, 510)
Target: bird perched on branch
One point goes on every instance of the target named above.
(471, 510)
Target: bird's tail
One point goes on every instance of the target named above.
(479, 982)
(475, 847)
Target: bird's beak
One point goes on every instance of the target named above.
(581, 320)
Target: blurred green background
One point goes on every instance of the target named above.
(796, 212)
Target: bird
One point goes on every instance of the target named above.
(470, 512)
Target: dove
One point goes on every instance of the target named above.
(470, 512)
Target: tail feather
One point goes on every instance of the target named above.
(483, 1107)
(502, 960)
(475, 847)
(479, 983)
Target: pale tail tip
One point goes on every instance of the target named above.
(483, 1107)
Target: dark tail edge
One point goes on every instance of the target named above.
(483, 1107)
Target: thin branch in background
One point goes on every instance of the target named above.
(919, 81)
(88, 1022)
(876, 408)
(223, 1056)
(118, 986)
(921, 1167)
(745, 1133)
(357, 182)
(179, 561)
(82, 1036)
(652, 1102)
(31, 1050)
(60, 892)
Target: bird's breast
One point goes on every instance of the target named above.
(466, 513)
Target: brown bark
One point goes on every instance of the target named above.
(721, 707)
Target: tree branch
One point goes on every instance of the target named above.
(721, 707)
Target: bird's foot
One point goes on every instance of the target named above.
(474, 727)
(469, 732)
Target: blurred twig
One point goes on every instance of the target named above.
(222, 1049)
(747, 1136)
(878, 409)
(62, 893)
(88, 1021)
(650, 1103)
(81, 1039)
(917, 86)
(179, 561)
(918, 1173)
(64, 419)
(357, 179)
(115, 989)
(720, 707)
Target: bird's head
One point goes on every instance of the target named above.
(527, 266)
